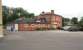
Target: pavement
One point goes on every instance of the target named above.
(42, 40)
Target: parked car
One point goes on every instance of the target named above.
(81, 29)
(72, 28)
(65, 28)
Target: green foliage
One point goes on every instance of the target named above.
(81, 22)
(74, 20)
(65, 21)
(11, 14)
(5, 14)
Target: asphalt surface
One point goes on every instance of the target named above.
(42, 40)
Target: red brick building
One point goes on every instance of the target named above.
(46, 20)
(53, 19)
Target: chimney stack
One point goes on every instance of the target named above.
(52, 11)
(43, 12)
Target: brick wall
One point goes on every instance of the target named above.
(32, 27)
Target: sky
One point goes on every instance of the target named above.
(66, 8)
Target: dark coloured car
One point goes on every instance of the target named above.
(81, 29)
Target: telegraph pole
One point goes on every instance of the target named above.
(1, 26)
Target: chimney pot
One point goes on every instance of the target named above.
(43, 12)
(52, 11)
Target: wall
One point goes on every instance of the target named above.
(30, 27)
(1, 30)
(25, 27)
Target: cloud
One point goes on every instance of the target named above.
(64, 7)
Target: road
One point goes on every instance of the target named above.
(42, 40)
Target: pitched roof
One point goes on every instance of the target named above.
(30, 21)
(23, 20)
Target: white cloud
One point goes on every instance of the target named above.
(67, 8)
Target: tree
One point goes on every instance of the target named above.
(31, 15)
(81, 22)
(11, 14)
(5, 14)
(74, 20)
(65, 21)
